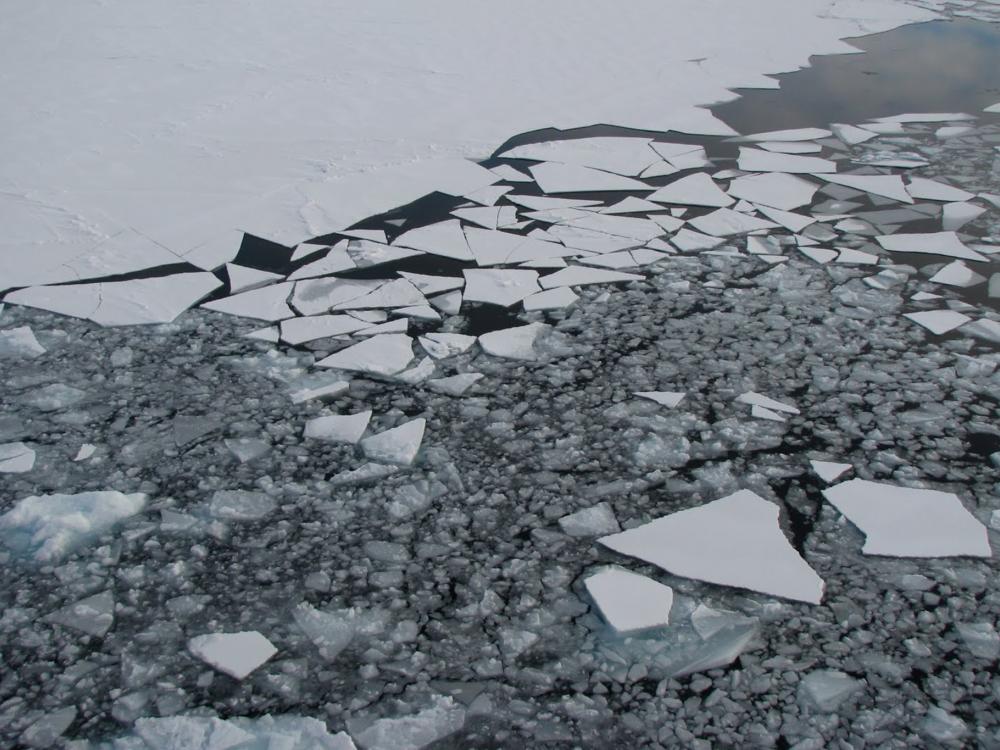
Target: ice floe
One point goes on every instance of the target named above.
(513, 343)
(398, 446)
(93, 615)
(957, 274)
(907, 522)
(725, 222)
(733, 541)
(384, 354)
(16, 458)
(443, 717)
(887, 186)
(670, 399)
(593, 521)
(300, 330)
(938, 321)
(933, 243)
(504, 287)
(580, 276)
(444, 238)
(234, 654)
(757, 160)
(925, 189)
(757, 399)
(630, 602)
(551, 299)
(570, 178)
(19, 343)
(829, 471)
(455, 385)
(693, 190)
(774, 189)
(338, 428)
(269, 303)
(443, 345)
(796, 134)
(623, 156)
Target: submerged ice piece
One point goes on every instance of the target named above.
(235, 654)
(733, 541)
(905, 522)
(629, 601)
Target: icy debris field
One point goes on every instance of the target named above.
(671, 440)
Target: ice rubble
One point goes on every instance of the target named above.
(49, 527)
(733, 541)
(235, 654)
(628, 601)
(906, 522)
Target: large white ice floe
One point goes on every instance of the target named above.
(234, 654)
(513, 343)
(384, 354)
(504, 287)
(16, 458)
(933, 243)
(48, 527)
(938, 321)
(314, 296)
(734, 541)
(19, 343)
(398, 446)
(925, 189)
(623, 156)
(758, 160)
(906, 522)
(774, 189)
(725, 222)
(158, 299)
(628, 601)
(268, 303)
(570, 178)
(956, 215)
(697, 189)
(443, 717)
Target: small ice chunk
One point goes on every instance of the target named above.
(19, 343)
(938, 321)
(86, 451)
(398, 445)
(551, 299)
(338, 428)
(993, 108)
(513, 343)
(594, 521)
(450, 303)
(504, 287)
(825, 689)
(16, 458)
(443, 345)
(693, 190)
(757, 160)
(580, 276)
(708, 622)
(983, 328)
(369, 472)
(271, 334)
(942, 726)
(630, 602)
(924, 296)
(911, 117)
(240, 505)
(733, 541)
(327, 390)
(455, 385)
(829, 471)
(442, 718)
(687, 241)
(384, 354)
(46, 730)
(330, 632)
(957, 274)
(49, 527)
(243, 279)
(760, 412)
(852, 135)
(933, 243)
(925, 189)
(670, 399)
(270, 303)
(981, 638)
(235, 654)
(775, 189)
(905, 522)
(791, 147)
(247, 449)
(444, 238)
(94, 615)
(756, 399)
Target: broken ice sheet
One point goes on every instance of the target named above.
(957, 274)
(433, 284)
(620, 155)
(395, 293)
(455, 385)
(338, 428)
(954, 216)
(580, 276)
(756, 399)
(829, 471)
(443, 345)
(444, 238)
(296, 331)
(398, 446)
(243, 279)
(630, 602)
(775, 189)
(725, 222)
(16, 458)
(757, 160)
(887, 186)
(94, 615)
(551, 299)
(932, 243)
(19, 343)
(938, 321)
(925, 189)
(49, 527)
(513, 343)
(852, 135)
(694, 190)
(504, 287)
(733, 541)
(270, 303)
(384, 354)
(906, 522)
(670, 399)
(796, 134)
(235, 654)
(569, 178)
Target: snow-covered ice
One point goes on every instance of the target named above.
(513, 343)
(398, 445)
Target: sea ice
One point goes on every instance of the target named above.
(756, 399)
(623, 156)
(513, 343)
(240, 505)
(395, 293)
(94, 615)
(887, 186)
(443, 345)
(932, 243)
(756, 160)
(938, 321)
(16, 458)
(630, 602)
(553, 177)
(829, 471)
(687, 241)
(733, 541)
(852, 135)
(593, 521)
(338, 428)
(247, 449)
(791, 147)
(86, 451)
(455, 385)
(47, 729)
(798, 134)
(670, 399)
(489, 217)
(761, 412)
(285, 732)
(981, 638)
(442, 718)
(444, 238)
(905, 522)
(983, 328)
(49, 527)
(925, 189)
(774, 189)
(323, 390)
(580, 276)
(551, 299)
(954, 216)
(270, 303)
(504, 287)
(243, 279)
(725, 222)
(430, 285)
(631, 205)
(365, 253)
(850, 256)
(385, 354)
(790, 220)
(398, 446)
(957, 274)
(300, 330)
(693, 190)
(235, 654)
(825, 689)
(19, 343)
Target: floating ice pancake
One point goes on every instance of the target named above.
(336, 259)
(852, 135)
(670, 399)
(756, 399)
(888, 186)
(829, 471)
(158, 299)
(235, 654)
(386, 354)
(243, 279)
(16, 458)
(503, 287)
(797, 134)
(513, 343)
(269, 303)
(725, 222)
(570, 178)
(933, 243)
(938, 321)
(957, 274)
(296, 331)
(444, 238)
(398, 446)
(580, 276)
(551, 299)
(924, 189)
(756, 160)
(905, 522)
(19, 343)
(338, 428)
(443, 345)
(694, 190)
(775, 189)
(733, 541)
(954, 216)
(622, 156)
(630, 602)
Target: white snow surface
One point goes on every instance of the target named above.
(216, 143)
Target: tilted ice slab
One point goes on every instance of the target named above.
(775, 189)
(694, 190)
(551, 299)
(570, 178)
(593, 521)
(235, 654)
(48, 527)
(623, 156)
(398, 446)
(384, 354)
(628, 601)
(905, 522)
(338, 428)
(513, 343)
(443, 345)
(159, 299)
(933, 243)
(956, 215)
(734, 541)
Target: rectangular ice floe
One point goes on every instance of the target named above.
(905, 522)
(386, 354)
(757, 160)
(694, 190)
(623, 156)
(938, 321)
(775, 189)
(933, 243)
(734, 541)
(570, 178)
(628, 601)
